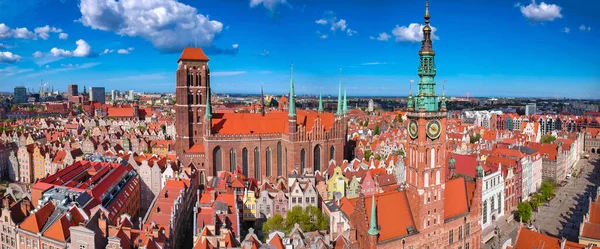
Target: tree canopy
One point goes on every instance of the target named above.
(524, 211)
(548, 139)
(310, 219)
(547, 190)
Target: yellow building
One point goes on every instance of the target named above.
(336, 183)
(39, 156)
(249, 200)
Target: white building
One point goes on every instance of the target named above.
(530, 109)
(492, 197)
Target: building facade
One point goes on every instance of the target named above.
(274, 143)
(98, 94)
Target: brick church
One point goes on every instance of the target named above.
(262, 145)
(435, 209)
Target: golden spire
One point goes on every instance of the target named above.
(427, 11)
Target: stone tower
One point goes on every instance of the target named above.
(193, 86)
(426, 152)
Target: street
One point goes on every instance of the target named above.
(562, 216)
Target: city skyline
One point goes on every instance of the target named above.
(534, 53)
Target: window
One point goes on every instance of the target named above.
(467, 230)
(451, 237)
(484, 212)
(312, 200)
(300, 200)
(256, 163)
(268, 155)
(232, 160)
(81, 246)
(331, 153)
(493, 203)
(245, 162)
(317, 159)
(460, 234)
(293, 200)
(307, 200)
(302, 161)
(279, 160)
(217, 160)
(467, 245)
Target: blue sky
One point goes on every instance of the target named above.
(486, 48)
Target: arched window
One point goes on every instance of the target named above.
(257, 163)
(279, 162)
(217, 160)
(197, 79)
(484, 212)
(302, 161)
(437, 177)
(232, 162)
(189, 78)
(331, 153)
(268, 162)
(426, 179)
(245, 162)
(286, 162)
(317, 158)
(432, 157)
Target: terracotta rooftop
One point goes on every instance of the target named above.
(270, 123)
(194, 54)
(527, 239)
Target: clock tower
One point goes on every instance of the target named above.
(425, 170)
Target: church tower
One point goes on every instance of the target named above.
(426, 152)
(193, 87)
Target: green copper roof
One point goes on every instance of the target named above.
(427, 95)
(339, 104)
(345, 109)
(320, 110)
(208, 109)
(479, 169)
(373, 230)
(292, 106)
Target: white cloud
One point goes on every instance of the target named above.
(13, 70)
(584, 28)
(382, 37)
(47, 66)
(540, 12)
(321, 21)
(9, 57)
(412, 33)
(227, 73)
(5, 31)
(122, 51)
(271, 5)
(69, 65)
(63, 36)
(566, 30)
(265, 52)
(83, 49)
(23, 33)
(37, 54)
(335, 24)
(235, 46)
(42, 32)
(107, 51)
(63, 69)
(130, 48)
(168, 24)
(2, 45)
(373, 63)
(341, 25)
(351, 32)
(371, 38)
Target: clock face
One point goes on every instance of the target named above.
(413, 130)
(434, 129)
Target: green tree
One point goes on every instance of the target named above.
(366, 123)
(164, 128)
(547, 190)
(548, 139)
(377, 157)
(368, 155)
(399, 118)
(275, 223)
(317, 219)
(376, 131)
(297, 215)
(524, 211)
(474, 138)
(400, 152)
(536, 201)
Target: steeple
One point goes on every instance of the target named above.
(410, 104)
(479, 168)
(427, 99)
(339, 103)
(262, 101)
(320, 110)
(373, 230)
(443, 104)
(292, 105)
(345, 108)
(208, 111)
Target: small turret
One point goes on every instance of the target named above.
(345, 108)
(320, 110)
(479, 169)
(292, 104)
(373, 230)
(339, 103)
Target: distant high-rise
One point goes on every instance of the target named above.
(530, 109)
(98, 94)
(73, 90)
(130, 95)
(371, 105)
(20, 94)
(114, 94)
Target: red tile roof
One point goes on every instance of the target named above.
(270, 123)
(528, 239)
(36, 221)
(193, 54)
(456, 199)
